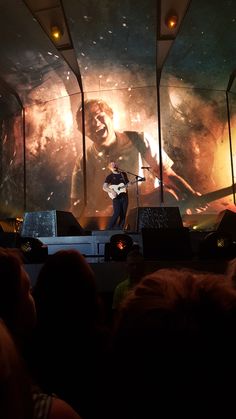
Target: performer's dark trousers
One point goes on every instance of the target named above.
(120, 206)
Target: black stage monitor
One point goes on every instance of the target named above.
(154, 217)
(166, 243)
(50, 224)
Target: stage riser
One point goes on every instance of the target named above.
(109, 273)
(92, 247)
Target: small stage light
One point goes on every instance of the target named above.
(119, 246)
(222, 242)
(217, 245)
(33, 250)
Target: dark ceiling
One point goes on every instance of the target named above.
(110, 44)
(204, 52)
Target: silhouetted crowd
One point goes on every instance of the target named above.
(168, 351)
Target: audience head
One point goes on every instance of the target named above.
(194, 302)
(65, 291)
(175, 342)
(17, 307)
(16, 398)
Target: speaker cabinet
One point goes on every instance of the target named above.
(226, 223)
(50, 224)
(154, 217)
(166, 243)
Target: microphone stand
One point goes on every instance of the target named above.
(138, 179)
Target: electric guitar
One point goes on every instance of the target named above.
(121, 188)
(191, 202)
(201, 200)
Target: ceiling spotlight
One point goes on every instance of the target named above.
(56, 33)
(171, 20)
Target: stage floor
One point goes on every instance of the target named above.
(181, 249)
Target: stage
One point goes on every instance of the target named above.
(164, 238)
(110, 272)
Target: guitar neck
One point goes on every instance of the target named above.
(212, 196)
(209, 197)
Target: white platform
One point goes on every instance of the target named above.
(91, 246)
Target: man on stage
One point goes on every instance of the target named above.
(116, 185)
(132, 150)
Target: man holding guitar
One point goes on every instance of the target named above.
(116, 185)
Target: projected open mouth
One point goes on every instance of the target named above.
(101, 131)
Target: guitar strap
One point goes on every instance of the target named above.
(137, 139)
(122, 175)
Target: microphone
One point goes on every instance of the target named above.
(146, 167)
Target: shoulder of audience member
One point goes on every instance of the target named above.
(231, 269)
(62, 410)
(122, 284)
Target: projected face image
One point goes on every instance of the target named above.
(99, 125)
